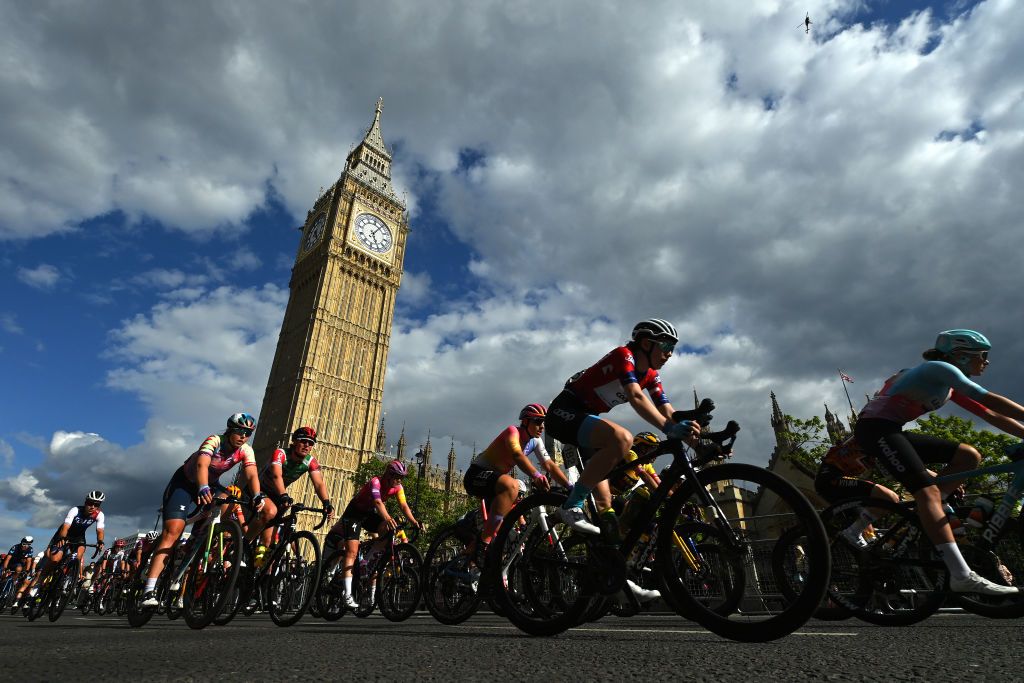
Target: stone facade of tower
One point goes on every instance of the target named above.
(328, 370)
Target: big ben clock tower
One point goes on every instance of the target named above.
(328, 370)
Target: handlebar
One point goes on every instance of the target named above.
(299, 507)
(76, 544)
(412, 535)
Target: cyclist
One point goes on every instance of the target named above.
(368, 511)
(619, 377)
(144, 546)
(913, 392)
(195, 482)
(72, 532)
(286, 467)
(19, 559)
(489, 477)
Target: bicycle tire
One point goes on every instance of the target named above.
(209, 581)
(401, 585)
(447, 585)
(138, 615)
(576, 585)
(719, 584)
(896, 580)
(286, 606)
(63, 592)
(784, 616)
(329, 600)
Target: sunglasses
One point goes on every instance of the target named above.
(241, 432)
(92, 503)
(667, 347)
(536, 421)
(308, 442)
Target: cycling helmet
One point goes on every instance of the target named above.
(304, 434)
(534, 411)
(97, 496)
(644, 442)
(396, 468)
(242, 421)
(120, 543)
(655, 328)
(27, 540)
(234, 492)
(952, 341)
(152, 535)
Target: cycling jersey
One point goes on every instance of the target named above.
(500, 455)
(537, 449)
(290, 470)
(911, 393)
(79, 518)
(602, 386)
(19, 553)
(371, 492)
(222, 458)
(631, 476)
(848, 458)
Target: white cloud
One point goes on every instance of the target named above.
(43, 276)
(9, 324)
(6, 453)
(793, 203)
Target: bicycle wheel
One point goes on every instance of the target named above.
(293, 578)
(450, 580)
(65, 587)
(533, 561)
(137, 614)
(758, 506)
(1000, 561)
(896, 578)
(400, 583)
(329, 596)
(211, 578)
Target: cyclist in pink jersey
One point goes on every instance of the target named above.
(368, 511)
(196, 481)
(490, 475)
(620, 377)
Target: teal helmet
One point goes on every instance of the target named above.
(961, 341)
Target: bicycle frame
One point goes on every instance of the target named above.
(996, 523)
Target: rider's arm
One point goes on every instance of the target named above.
(556, 472)
(645, 407)
(382, 510)
(253, 479)
(406, 510)
(277, 486)
(651, 480)
(320, 486)
(203, 472)
(62, 532)
(1005, 408)
(521, 461)
(100, 530)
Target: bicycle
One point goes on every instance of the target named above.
(288, 576)
(60, 584)
(9, 587)
(203, 581)
(387, 574)
(896, 578)
(730, 593)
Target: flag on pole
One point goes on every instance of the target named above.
(845, 377)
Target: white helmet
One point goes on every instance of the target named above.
(27, 540)
(97, 496)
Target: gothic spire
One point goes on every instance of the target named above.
(370, 161)
(401, 444)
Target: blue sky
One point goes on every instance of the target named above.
(559, 190)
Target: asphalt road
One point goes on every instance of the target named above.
(947, 647)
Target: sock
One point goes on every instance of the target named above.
(347, 581)
(150, 585)
(579, 493)
(950, 554)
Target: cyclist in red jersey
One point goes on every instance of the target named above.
(619, 377)
(490, 475)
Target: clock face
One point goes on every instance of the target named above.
(373, 233)
(315, 230)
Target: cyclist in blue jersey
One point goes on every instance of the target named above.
(911, 393)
